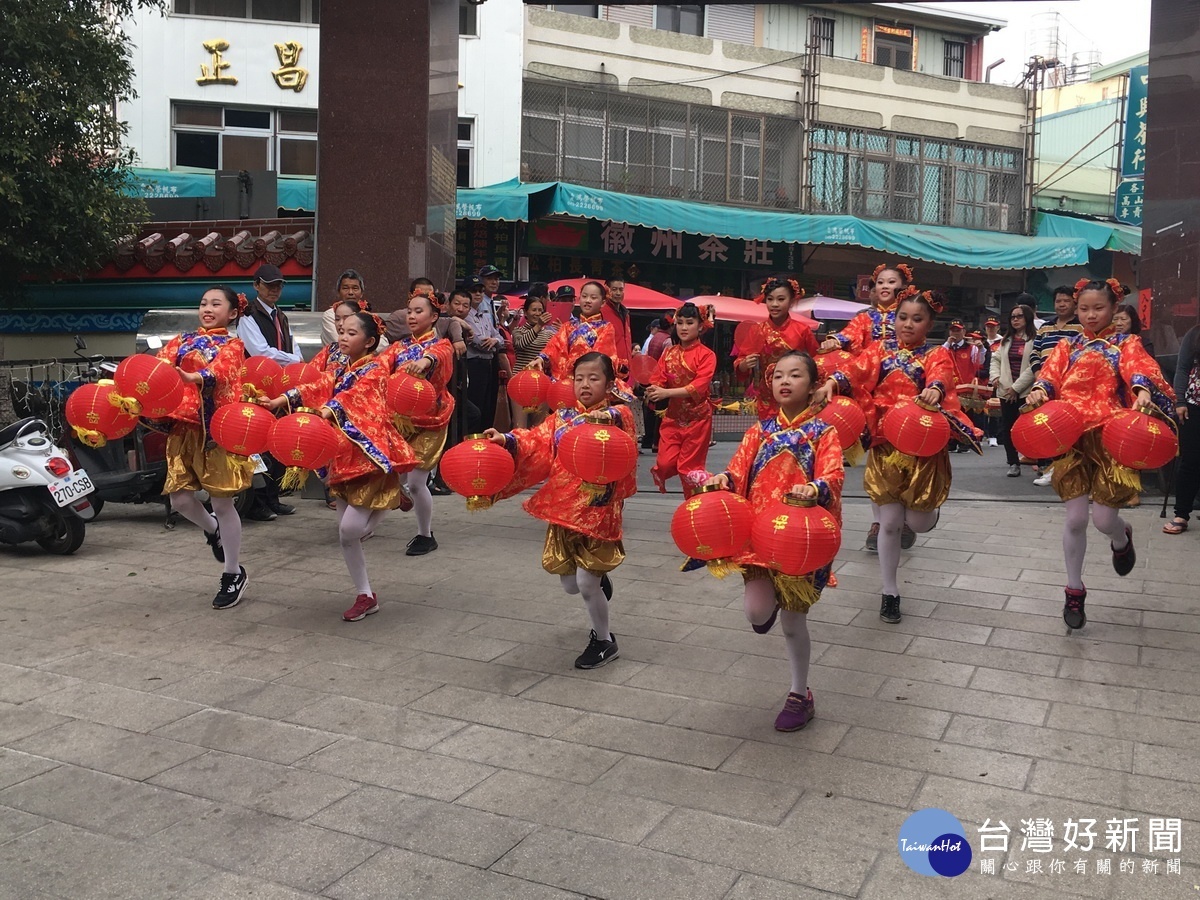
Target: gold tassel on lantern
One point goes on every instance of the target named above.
(293, 479)
(900, 460)
(128, 405)
(723, 568)
(1126, 477)
(89, 438)
(796, 593)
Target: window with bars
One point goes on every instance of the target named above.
(658, 148)
(305, 11)
(954, 59)
(216, 137)
(821, 34)
(680, 18)
(908, 178)
(893, 47)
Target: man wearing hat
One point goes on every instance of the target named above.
(265, 331)
(967, 358)
(489, 277)
(483, 368)
(993, 337)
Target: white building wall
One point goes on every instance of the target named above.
(489, 70)
(168, 52)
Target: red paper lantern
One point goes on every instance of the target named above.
(561, 395)
(152, 382)
(96, 416)
(296, 374)
(916, 429)
(303, 440)
(713, 525)
(598, 453)
(242, 428)
(795, 536)
(262, 374)
(642, 367)
(476, 469)
(408, 395)
(1048, 431)
(1138, 440)
(833, 361)
(530, 389)
(847, 418)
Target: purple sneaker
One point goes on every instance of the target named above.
(796, 713)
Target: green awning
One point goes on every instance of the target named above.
(959, 247)
(1099, 235)
(505, 202)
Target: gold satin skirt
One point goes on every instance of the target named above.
(567, 550)
(427, 444)
(793, 593)
(1089, 470)
(191, 467)
(378, 491)
(920, 483)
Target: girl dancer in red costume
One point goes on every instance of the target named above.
(773, 338)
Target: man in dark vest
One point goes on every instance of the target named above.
(265, 332)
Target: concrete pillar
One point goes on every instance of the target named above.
(388, 145)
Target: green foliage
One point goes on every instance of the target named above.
(64, 65)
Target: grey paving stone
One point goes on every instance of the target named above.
(1015, 686)
(569, 806)
(135, 673)
(735, 796)
(376, 722)
(376, 687)
(756, 724)
(827, 864)
(105, 803)
(466, 673)
(554, 661)
(1045, 743)
(402, 873)
(601, 868)
(17, 722)
(227, 886)
(614, 699)
(565, 760)
(115, 706)
(267, 787)
(344, 650)
(650, 739)
(247, 695)
(446, 830)
(69, 862)
(106, 749)
(977, 702)
(14, 823)
(515, 713)
(895, 664)
(425, 774)
(267, 847)
(755, 887)
(19, 684)
(17, 767)
(248, 735)
(920, 754)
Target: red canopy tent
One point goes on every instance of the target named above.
(734, 309)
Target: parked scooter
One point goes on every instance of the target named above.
(43, 497)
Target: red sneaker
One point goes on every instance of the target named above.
(364, 605)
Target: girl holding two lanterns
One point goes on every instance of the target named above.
(793, 454)
(1098, 372)
(905, 489)
(583, 533)
(364, 475)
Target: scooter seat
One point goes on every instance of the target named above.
(9, 433)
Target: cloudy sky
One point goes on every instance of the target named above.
(1117, 28)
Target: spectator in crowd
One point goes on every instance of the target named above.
(656, 344)
(1065, 325)
(351, 288)
(1127, 321)
(1187, 410)
(530, 339)
(485, 342)
(1011, 376)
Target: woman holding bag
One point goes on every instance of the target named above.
(1015, 354)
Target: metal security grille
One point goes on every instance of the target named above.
(621, 142)
(906, 178)
(954, 59)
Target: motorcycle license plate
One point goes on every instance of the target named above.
(259, 466)
(71, 487)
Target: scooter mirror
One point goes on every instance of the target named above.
(80, 343)
(154, 342)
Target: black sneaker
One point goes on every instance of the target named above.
(606, 586)
(214, 542)
(437, 487)
(233, 587)
(259, 512)
(598, 653)
(280, 509)
(889, 609)
(420, 545)
(1125, 558)
(908, 537)
(1073, 613)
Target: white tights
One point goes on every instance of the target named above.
(759, 602)
(1107, 521)
(418, 489)
(186, 504)
(354, 523)
(892, 519)
(581, 581)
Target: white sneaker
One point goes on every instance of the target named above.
(992, 442)
(1043, 479)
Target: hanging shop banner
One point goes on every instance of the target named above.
(1133, 145)
(481, 243)
(1129, 201)
(636, 243)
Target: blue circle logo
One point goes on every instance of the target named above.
(933, 842)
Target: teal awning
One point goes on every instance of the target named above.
(505, 202)
(159, 184)
(959, 247)
(1099, 235)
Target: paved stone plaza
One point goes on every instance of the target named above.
(155, 748)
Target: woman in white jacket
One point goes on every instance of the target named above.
(1016, 346)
